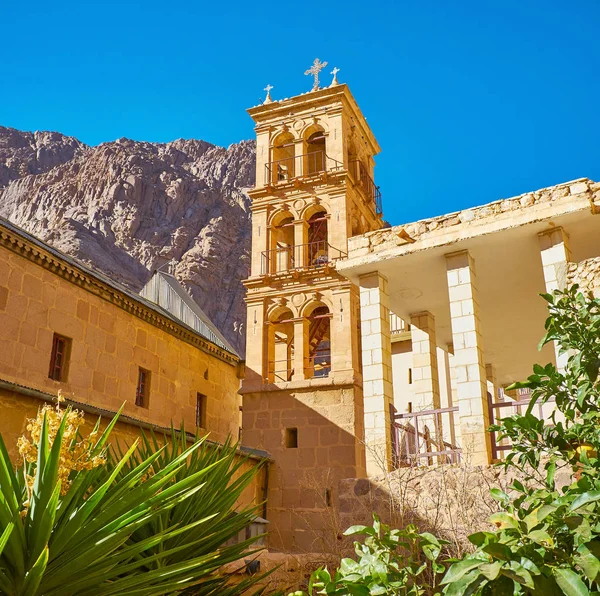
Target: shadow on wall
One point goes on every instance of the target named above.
(310, 434)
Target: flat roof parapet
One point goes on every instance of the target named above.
(536, 206)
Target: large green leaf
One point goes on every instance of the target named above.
(570, 582)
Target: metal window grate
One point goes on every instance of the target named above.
(141, 394)
(59, 358)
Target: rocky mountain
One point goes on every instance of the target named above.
(127, 208)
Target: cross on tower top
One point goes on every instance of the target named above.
(268, 90)
(314, 70)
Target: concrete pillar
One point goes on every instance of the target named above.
(471, 380)
(492, 386)
(301, 349)
(426, 385)
(556, 254)
(255, 342)
(377, 371)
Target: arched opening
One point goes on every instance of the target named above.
(318, 244)
(319, 342)
(315, 150)
(282, 166)
(281, 347)
(280, 256)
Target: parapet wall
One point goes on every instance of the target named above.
(537, 205)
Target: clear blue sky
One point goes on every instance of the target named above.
(470, 101)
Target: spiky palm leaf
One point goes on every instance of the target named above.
(129, 527)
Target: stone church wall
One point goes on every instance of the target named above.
(108, 345)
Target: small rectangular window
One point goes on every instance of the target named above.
(143, 388)
(200, 410)
(410, 376)
(291, 438)
(59, 359)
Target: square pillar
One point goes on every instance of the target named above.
(301, 350)
(556, 254)
(468, 360)
(377, 371)
(426, 385)
(300, 242)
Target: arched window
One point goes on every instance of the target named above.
(282, 166)
(280, 256)
(319, 342)
(281, 347)
(315, 149)
(318, 244)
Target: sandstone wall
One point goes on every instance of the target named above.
(109, 344)
(303, 479)
(586, 274)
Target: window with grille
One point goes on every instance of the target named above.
(200, 410)
(143, 388)
(59, 359)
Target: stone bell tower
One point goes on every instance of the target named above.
(302, 395)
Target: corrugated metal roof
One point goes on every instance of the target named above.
(164, 290)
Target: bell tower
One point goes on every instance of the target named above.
(302, 395)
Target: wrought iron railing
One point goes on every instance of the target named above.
(312, 254)
(320, 364)
(280, 371)
(365, 182)
(418, 445)
(300, 166)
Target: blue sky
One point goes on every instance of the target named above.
(470, 101)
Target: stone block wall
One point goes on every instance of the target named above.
(108, 345)
(310, 436)
(586, 274)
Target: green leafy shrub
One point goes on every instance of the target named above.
(548, 539)
(75, 521)
(403, 562)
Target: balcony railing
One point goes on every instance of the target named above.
(313, 254)
(366, 183)
(281, 371)
(398, 326)
(320, 364)
(418, 444)
(300, 166)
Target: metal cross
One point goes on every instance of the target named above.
(334, 73)
(268, 90)
(314, 70)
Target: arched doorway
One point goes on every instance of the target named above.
(281, 347)
(315, 149)
(318, 244)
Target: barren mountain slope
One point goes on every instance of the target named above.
(129, 207)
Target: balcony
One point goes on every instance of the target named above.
(366, 184)
(300, 166)
(303, 256)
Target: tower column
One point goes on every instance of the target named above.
(377, 371)
(301, 348)
(300, 242)
(556, 254)
(471, 378)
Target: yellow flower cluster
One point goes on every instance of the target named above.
(75, 452)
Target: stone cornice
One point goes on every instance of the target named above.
(63, 266)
